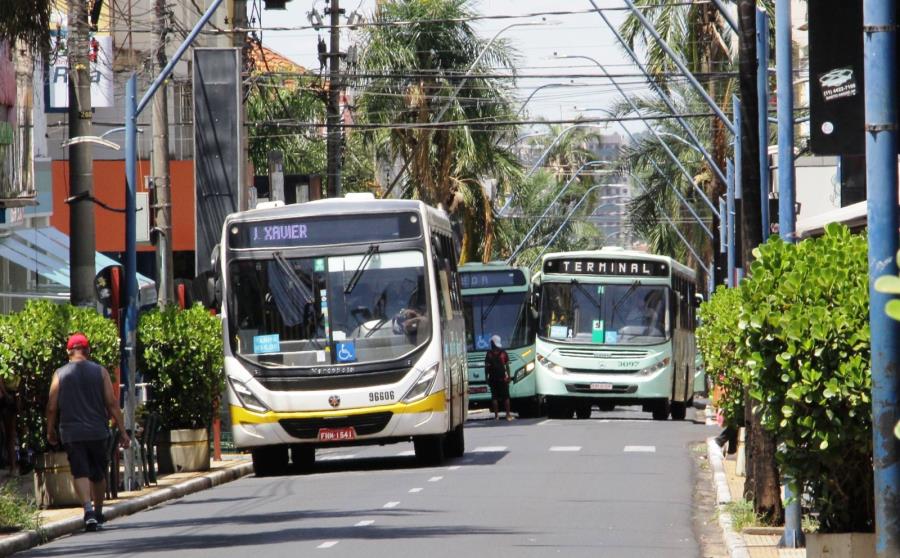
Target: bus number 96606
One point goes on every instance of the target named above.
(381, 396)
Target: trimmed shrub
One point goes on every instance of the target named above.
(33, 346)
(804, 320)
(719, 340)
(180, 355)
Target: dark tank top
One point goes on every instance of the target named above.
(82, 407)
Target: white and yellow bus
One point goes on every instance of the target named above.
(343, 325)
(616, 327)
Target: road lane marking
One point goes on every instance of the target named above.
(435, 479)
(414, 490)
(391, 505)
(328, 544)
(336, 457)
(565, 448)
(490, 449)
(406, 453)
(640, 449)
(545, 421)
(454, 468)
(364, 523)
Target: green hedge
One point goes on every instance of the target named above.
(802, 341)
(33, 346)
(719, 340)
(180, 355)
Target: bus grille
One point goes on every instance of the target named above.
(586, 388)
(303, 428)
(601, 371)
(601, 353)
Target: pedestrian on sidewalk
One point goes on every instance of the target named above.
(81, 402)
(496, 367)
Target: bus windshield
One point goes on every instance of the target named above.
(310, 312)
(499, 313)
(605, 314)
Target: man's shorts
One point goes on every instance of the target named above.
(499, 390)
(88, 458)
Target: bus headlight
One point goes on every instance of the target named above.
(423, 384)
(551, 366)
(654, 368)
(524, 372)
(246, 397)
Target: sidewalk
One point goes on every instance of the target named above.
(63, 521)
(752, 542)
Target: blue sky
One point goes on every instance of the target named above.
(576, 34)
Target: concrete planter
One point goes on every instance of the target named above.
(182, 451)
(840, 545)
(53, 483)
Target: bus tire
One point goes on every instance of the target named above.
(303, 457)
(606, 407)
(270, 461)
(661, 410)
(584, 411)
(679, 410)
(455, 442)
(429, 449)
(529, 408)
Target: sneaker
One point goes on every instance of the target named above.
(90, 521)
(101, 519)
(509, 417)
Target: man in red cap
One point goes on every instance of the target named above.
(81, 402)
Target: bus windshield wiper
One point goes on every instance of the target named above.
(490, 308)
(622, 300)
(357, 275)
(586, 293)
(294, 280)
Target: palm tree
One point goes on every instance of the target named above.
(533, 195)
(27, 21)
(422, 63)
(574, 148)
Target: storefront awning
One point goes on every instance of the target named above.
(45, 251)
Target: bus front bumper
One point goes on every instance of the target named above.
(401, 421)
(624, 386)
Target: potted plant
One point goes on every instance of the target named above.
(33, 347)
(180, 356)
(804, 318)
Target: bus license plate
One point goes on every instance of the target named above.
(337, 434)
(601, 387)
(478, 389)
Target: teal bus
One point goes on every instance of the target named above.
(496, 302)
(616, 327)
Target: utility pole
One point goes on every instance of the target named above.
(81, 211)
(334, 102)
(162, 183)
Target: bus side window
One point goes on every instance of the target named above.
(441, 279)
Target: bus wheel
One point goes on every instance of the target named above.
(270, 461)
(529, 408)
(661, 410)
(607, 407)
(303, 457)
(679, 410)
(429, 449)
(455, 442)
(583, 411)
(557, 409)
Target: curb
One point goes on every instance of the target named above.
(737, 547)
(46, 533)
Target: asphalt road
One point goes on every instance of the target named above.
(618, 484)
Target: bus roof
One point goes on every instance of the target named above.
(329, 206)
(612, 252)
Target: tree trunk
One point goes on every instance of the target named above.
(763, 484)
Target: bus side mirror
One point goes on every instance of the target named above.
(698, 299)
(207, 288)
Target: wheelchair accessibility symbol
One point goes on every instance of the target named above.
(345, 352)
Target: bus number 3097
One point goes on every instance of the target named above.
(381, 396)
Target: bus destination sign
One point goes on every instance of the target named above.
(492, 279)
(615, 268)
(316, 231)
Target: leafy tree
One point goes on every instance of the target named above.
(274, 105)
(418, 68)
(574, 148)
(27, 21)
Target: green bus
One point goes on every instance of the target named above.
(616, 327)
(496, 302)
